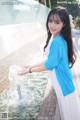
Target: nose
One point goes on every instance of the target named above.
(53, 25)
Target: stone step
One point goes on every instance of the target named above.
(3, 85)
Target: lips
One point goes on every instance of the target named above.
(52, 29)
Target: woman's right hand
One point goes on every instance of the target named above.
(27, 66)
(24, 71)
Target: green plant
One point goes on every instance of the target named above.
(78, 22)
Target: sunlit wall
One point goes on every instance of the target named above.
(21, 21)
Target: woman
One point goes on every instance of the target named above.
(60, 59)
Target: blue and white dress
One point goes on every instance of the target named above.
(62, 80)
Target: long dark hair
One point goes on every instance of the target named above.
(65, 32)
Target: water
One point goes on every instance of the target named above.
(22, 100)
(15, 80)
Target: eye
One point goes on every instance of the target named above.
(50, 20)
(57, 22)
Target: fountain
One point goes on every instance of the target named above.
(15, 80)
(17, 94)
(22, 98)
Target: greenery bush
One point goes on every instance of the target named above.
(78, 22)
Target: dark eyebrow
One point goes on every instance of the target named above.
(54, 20)
(57, 20)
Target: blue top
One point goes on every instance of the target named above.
(58, 59)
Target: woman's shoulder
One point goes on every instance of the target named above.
(57, 40)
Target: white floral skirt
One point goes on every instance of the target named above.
(69, 105)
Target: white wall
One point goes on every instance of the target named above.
(13, 37)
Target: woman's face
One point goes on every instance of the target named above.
(55, 25)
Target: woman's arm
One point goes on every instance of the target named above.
(39, 68)
(36, 65)
(34, 68)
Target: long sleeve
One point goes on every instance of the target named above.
(54, 56)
